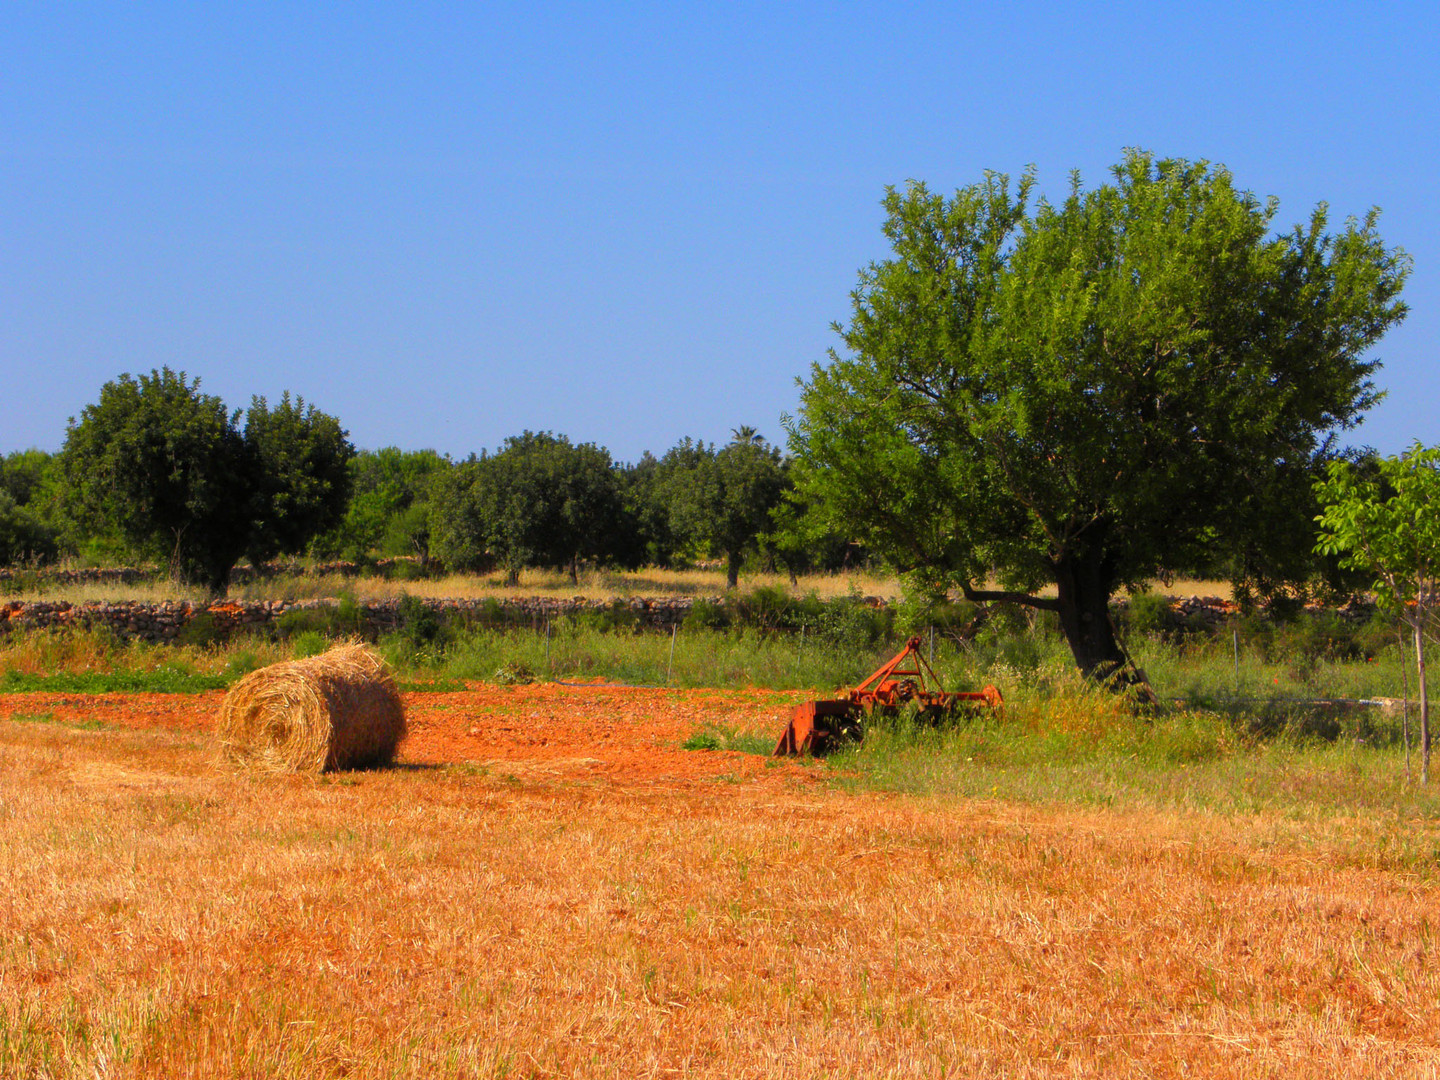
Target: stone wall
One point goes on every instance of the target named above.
(165, 621)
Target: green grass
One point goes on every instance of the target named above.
(49, 718)
(700, 657)
(1079, 748)
(156, 681)
(724, 737)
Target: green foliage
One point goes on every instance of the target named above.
(616, 617)
(748, 483)
(161, 680)
(389, 507)
(420, 624)
(201, 630)
(667, 499)
(165, 465)
(1382, 519)
(850, 623)
(766, 607)
(539, 501)
(1150, 613)
(1090, 391)
(705, 615)
(308, 643)
(24, 474)
(300, 480)
(24, 537)
(346, 618)
(958, 620)
(168, 470)
(723, 499)
(725, 737)
(514, 674)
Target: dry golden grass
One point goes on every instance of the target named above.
(160, 917)
(592, 585)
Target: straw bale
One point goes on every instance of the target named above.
(338, 710)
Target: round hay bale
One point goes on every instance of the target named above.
(338, 710)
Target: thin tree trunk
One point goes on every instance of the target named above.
(732, 569)
(1405, 701)
(1424, 696)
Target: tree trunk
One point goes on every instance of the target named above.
(1084, 605)
(732, 569)
(1424, 696)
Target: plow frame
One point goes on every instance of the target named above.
(815, 725)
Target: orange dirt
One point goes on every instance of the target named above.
(596, 730)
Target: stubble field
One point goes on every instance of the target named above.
(547, 884)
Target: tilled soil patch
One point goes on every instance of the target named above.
(548, 729)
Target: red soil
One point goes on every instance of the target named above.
(595, 730)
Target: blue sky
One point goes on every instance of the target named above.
(627, 223)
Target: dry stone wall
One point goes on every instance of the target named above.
(166, 620)
(222, 619)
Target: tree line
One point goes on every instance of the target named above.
(159, 471)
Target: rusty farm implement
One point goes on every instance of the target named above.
(906, 680)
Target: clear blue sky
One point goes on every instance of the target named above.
(447, 223)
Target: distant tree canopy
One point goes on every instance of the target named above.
(158, 470)
(539, 501)
(1087, 393)
(388, 510)
(26, 531)
(170, 470)
(300, 481)
(728, 501)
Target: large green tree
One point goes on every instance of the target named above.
(170, 469)
(1084, 394)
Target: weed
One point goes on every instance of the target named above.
(514, 674)
(722, 737)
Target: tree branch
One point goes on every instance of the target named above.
(1002, 596)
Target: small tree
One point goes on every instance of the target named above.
(540, 501)
(1384, 521)
(723, 499)
(749, 483)
(25, 532)
(389, 504)
(667, 498)
(301, 475)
